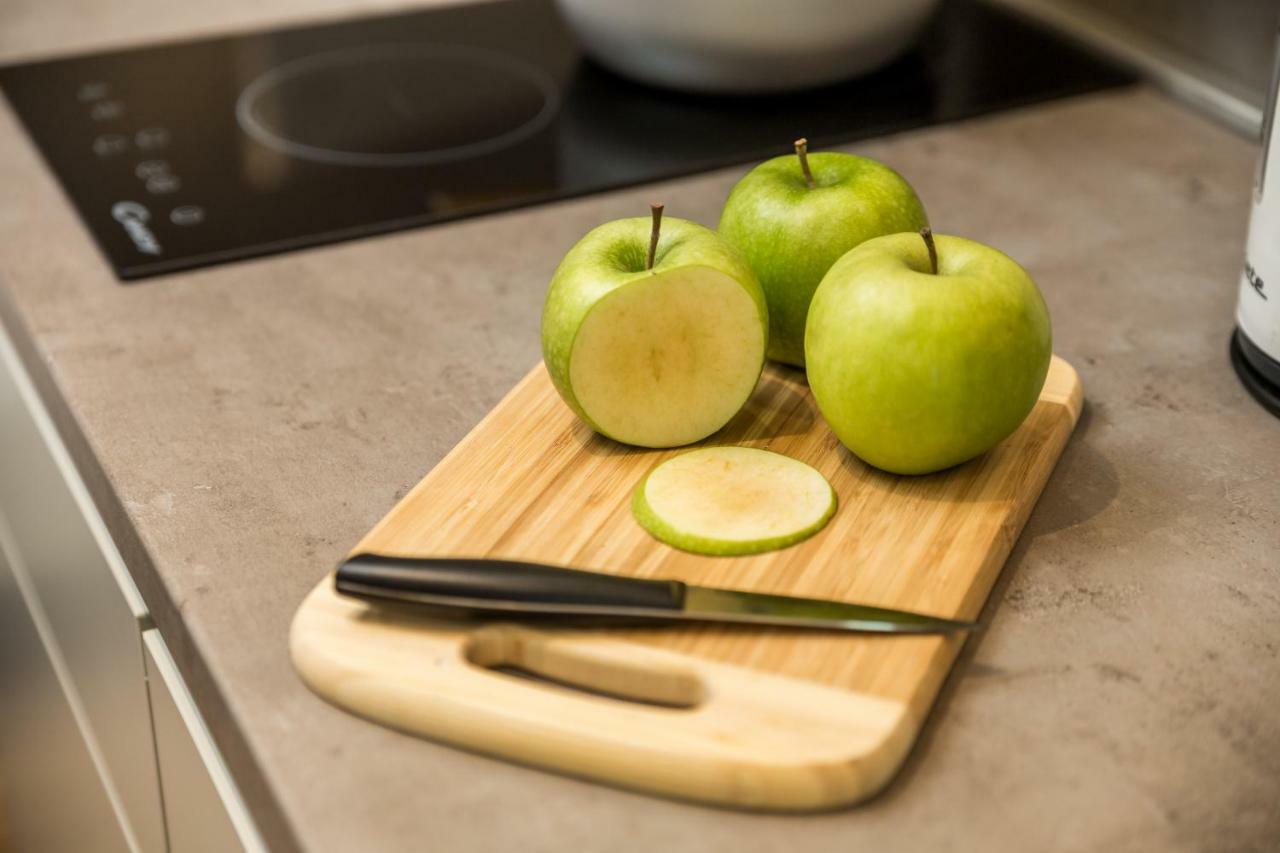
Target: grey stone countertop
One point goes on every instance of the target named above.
(241, 427)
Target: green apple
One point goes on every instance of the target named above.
(724, 501)
(654, 334)
(794, 216)
(922, 355)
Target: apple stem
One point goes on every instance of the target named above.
(927, 234)
(802, 151)
(653, 235)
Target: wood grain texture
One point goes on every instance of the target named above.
(763, 718)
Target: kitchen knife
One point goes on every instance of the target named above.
(493, 587)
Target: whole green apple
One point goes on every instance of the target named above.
(920, 357)
(654, 333)
(792, 217)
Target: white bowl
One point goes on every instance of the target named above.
(745, 46)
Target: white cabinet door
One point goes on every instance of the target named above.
(81, 588)
(75, 582)
(53, 796)
(203, 808)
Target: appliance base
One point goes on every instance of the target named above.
(1243, 356)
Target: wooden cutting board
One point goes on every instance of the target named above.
(748, 717)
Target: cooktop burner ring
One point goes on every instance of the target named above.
(506, 76)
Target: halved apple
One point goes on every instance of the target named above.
(657, 346)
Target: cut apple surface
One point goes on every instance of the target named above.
(669, 358)
(726, 501)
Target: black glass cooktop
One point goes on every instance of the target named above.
(195, 153)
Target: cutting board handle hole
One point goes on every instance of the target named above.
(610, 670)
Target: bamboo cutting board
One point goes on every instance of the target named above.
(748, 717)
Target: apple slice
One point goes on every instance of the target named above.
(658, 350)
(724, 501)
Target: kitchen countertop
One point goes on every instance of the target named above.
(241, 427)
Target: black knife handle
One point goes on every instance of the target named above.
(485, 585)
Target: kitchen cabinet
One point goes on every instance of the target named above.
(101, 746)
(54, 797)
(200, 800)
(86, 613)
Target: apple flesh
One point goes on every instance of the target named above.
(724, 501)
(916, 371)
(791, 233)
(655, 357)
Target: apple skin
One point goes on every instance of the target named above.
(917, 372)
(613, 255)
(791, 234)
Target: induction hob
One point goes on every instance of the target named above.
(189, 154)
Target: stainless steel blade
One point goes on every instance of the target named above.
(727, 605)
